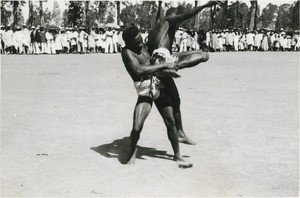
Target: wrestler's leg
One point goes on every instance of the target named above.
(172, 91)
(191, 58)
(185, 59)
(141, 111)
(163, 104)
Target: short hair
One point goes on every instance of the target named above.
(179, 10)
(130, 33)
(171, 11)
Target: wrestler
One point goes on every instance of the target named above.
(162, 35)
(149, 89)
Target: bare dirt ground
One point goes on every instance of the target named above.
(66, 121)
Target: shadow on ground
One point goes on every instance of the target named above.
(120, 149)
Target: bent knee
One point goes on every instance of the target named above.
(205, 56)
(200, 57)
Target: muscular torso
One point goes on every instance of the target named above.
(143, 58)
(161, 36)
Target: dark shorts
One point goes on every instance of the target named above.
(169, 95)
(163, 100)
(142, 99)
(171, 89)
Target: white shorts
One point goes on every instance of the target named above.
(149, 88)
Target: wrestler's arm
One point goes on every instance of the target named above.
(133, 65)
(191, 13)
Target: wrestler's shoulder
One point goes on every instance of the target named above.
(163, 23)
(126, 52)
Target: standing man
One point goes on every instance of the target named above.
(17, 40)
(183, 43)
(137, 62)
(109, 41)
(44, 45)
(115, 41)
(26, 39)
(162, 36)
(250, 40)
(8, 40)
(1, 39)
(37, 39)
(82, 41)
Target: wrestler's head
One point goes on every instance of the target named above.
(175, 11)
(133, 38)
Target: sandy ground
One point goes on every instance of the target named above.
(66, 120)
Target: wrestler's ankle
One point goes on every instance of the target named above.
(178, 158)
(181, 133)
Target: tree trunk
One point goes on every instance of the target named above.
(236, 19)
(85, 15)
(158, 11)
(15, 12)
(253, 9)
(42, 14)
(255, 18)
(118, 12)
(213, 16)
(101, 10)
(30, 18)
(224, 18)
(196, 18)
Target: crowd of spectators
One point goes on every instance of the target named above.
(258, 40)
(237, 40)
(39, 40)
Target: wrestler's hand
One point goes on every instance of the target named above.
(215, 2)
(222, 2)
(210, 3)
(167, 72)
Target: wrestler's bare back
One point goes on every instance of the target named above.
(161, 36)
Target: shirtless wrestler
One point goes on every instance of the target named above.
(149, 89)
(162, 35)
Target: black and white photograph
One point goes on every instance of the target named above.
(133, 98)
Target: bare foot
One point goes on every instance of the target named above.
(182, 138)
(222, 2)
(178, 159)
(214, 2)
(131, 158)
(186, 140)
